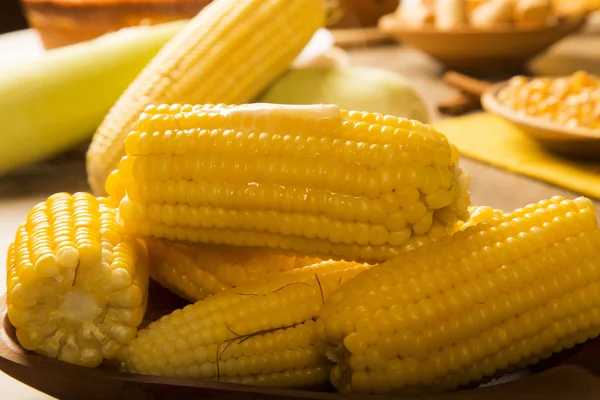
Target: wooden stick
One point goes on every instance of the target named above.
(465, 83)
(459, 104)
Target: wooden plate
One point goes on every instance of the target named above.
(579, 142)
(475, 50)
(66, 381)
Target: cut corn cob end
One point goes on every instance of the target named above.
(76, 284)
(310, 179)
(504, 293)
(262, 333)
(196, 272)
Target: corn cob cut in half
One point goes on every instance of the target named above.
(76, 284)
(262, 333)
(196, 272)
(504, 293)
(313, 180)
(229, 53)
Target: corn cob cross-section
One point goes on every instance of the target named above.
(76, 283)
(504, 293)
(229, 53)
(262, 333)
(196, 272)
(314, 180)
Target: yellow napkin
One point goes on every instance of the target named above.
(488, 138)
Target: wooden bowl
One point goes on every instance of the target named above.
(362, 13)
(578, 142)
(475, 50)
(64, 22)
(560, 375)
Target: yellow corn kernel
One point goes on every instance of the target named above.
(313, 180)
(76, 283)
(114, 187)
(196, 272)
(230, 52)
(572, 101)
(499, 294)
(479, 214)
(262, 333)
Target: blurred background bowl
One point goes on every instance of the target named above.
(65, 22)
(574, 142)
(475, 50)
(362, 13)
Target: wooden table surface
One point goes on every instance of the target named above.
(490, 186)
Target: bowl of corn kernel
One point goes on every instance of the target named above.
(563, 113)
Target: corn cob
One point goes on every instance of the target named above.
(260, 334)
(229, 53)
(317, 180)
(38, 95)
(504, 293)
(76, 283)
(196, 272)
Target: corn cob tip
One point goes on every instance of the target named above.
(260, 333)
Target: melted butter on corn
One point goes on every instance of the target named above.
(316, 180)
(268, 110)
